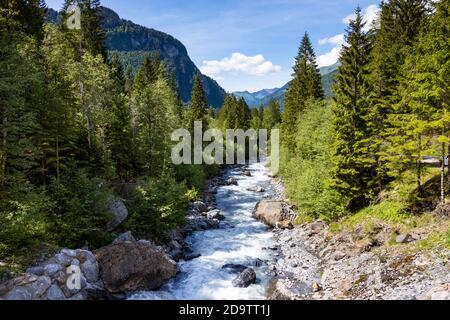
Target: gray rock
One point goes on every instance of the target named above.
(176, 254)
(271, 213)
(144, 242)
(29, 288)
(247, 173)
(339, 255)
(215, 214)
(85, 255)
(175, 245)
(118, 211)
(256, 189)
(231, 182)
(440, 293)
(63, 259)
(404, 238)
(199, 206)
(39, 271)
(69, 253)
(55, 293)
(245, 279)
(127, 267)
(51, 269)
(75, 262)
(192, 256)
(125, 237)
(90, 271)
(234, 268)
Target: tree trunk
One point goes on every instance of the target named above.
(3, 155)
(443, 174)
(448, 167)
(419, 168)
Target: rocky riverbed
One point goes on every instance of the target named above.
(224, 252)
(313, 263)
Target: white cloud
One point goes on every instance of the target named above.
(337, 40)
(370, 14)
(329, 58)
(238, 62)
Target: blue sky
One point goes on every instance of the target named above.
(246, 44)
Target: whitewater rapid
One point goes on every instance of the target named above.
(240, 240)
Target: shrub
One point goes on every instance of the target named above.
(80, 213)
(24, 222)
(157, 206)
(306, 174)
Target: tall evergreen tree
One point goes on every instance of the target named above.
(272, 115)
(423, 115)
(30, 14)
(400, 24)
(354, 169)
(305, 85)
(198, 108)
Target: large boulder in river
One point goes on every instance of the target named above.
(273, 213)
(127, 267)
(245, 279)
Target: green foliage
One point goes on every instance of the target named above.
(354, 169)
(157, 206)
(305, 85)
(271, 116)
(24, 220)
(307, 174)
(80, 211)
(198, 108)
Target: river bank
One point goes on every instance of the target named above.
(224, 252)
(315, 262)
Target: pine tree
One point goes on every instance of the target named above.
(21, 84)
(118, 73)
(148, 73)
(305, 85)
(422, 118)
(93, 35)
(400, 24)
(272, 116)
(129, 79)
(243, 115)
(198, 108)
(30, 14)
(354, 169)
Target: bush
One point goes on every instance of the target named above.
(157, 206)
(307, 173)
(193, 175)
(80, 213)
(24, 221)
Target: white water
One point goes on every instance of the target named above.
(240, 240)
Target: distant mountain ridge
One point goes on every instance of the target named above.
(133, 42)
(264, 97)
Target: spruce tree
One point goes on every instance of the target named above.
(400, 24)
(354, 169)
(422, 119)
(306, 84)
(93, 35)
(117, 73)
(30, 14)
(198, 108)
(272, 115)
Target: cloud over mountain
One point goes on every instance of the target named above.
(238, 62)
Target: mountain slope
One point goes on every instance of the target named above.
(133, 42)
(259, 98)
